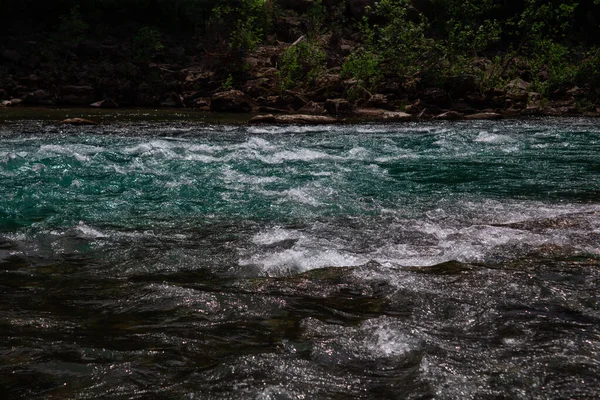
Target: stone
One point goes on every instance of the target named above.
(346, 49)
(380, 101)
(40, 97)
(202, 103)
(518, 85)
(312, 108)
(396, 116)
(484, 116)
(106, 103)
(369, 113)
(234, 101)
(449, 116)
(567, 110)
(78, 121)
(534, 96)
(12, 102)
(533, 110)
(296, 119)
(378, 114)
(576, 91)
(337, 107)
(330, 83)
(305, 119)
(415, 108)
(262, 119)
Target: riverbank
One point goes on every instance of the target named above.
(297, 75)
(95, 116)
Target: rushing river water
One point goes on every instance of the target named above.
(189, 260)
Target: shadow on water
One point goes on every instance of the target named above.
(451, 330)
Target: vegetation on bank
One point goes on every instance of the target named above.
(453, 50)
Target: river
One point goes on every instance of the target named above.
(174, 259)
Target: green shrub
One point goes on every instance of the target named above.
(363, 66)
(301, 63)
(315, 16)
(245, 24)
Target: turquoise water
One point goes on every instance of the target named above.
(213, 261)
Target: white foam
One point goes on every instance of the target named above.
(232, 176)
(386, 340)
(88, 232)
(302, 196)
(396, 241)
(81, 152)
(274, 235)
(300, 260)
(375, 339)
(296, 155)
(488, 137)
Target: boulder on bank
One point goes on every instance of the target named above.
(12, 103)
(380, 101)
(106, 103)
(293, 119)
(396, 116)
(234, 101)
(449, 116)
(40, 98)
(312, 108)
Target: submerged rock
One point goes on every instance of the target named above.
(78, 121)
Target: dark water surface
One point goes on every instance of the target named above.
(143, 260)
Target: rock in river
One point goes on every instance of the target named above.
(78, 121)
(301, 119)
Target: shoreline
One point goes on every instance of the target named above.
(102, 116)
